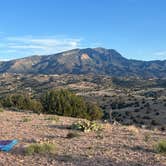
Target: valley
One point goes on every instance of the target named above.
(125, 100)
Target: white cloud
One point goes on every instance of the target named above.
(160, 53)
(30, 45)
(1, 59)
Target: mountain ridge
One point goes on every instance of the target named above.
(86, 61)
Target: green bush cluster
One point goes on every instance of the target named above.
(22, 102)
(60, 102)
(86, 126)
(63, 102)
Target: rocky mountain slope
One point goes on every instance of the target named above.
(86, 61)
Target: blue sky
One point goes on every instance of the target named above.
(135, 28)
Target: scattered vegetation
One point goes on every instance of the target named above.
(134, 101)
(135, 110)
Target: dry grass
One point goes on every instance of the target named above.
(160, 147)
(133, 129)
(44, 148)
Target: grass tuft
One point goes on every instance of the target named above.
(37, 148)
(160, 147)
(26, 119)
(52, 118)
(133, 129)
(147, 137)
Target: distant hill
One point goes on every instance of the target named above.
(85, 61)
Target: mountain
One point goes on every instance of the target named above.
(85, 61)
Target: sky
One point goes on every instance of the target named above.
(135, 28)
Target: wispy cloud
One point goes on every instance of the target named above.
(160, 53)
(1, 59)
(31, 45)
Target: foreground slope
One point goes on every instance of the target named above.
(86, 61)
(116, 145)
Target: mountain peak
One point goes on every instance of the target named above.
(85, 61)
(100, 49)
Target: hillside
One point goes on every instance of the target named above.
(115, 145)
(86, 61)
(131, 100)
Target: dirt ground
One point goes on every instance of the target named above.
(116, 145)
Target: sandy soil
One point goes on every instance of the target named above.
(116, 145)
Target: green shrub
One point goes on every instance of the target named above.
(1, 110)
(45, 148)
(160, 147)
(86, 126)
(36, 106)
(22, 102)
(94, 112)
(65, 103)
